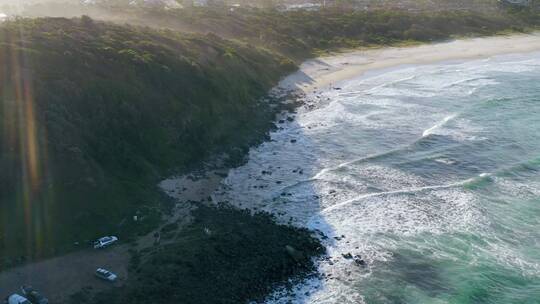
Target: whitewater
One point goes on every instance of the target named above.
(429, 173)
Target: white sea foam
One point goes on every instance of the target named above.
(529, 190)
(359, 168)
(406, 192)
(438, 125)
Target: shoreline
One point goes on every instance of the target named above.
(315, 74)
(325, 71)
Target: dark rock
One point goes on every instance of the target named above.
(360, 262)
(348, 256)
(295, 254)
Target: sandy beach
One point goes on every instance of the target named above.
(329, 70)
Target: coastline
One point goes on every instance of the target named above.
(325, 74)
(325, 71)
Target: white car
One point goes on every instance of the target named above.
(105, 242)
(17, 299)
(106, 275)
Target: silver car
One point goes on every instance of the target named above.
(106, 275)
(105, 242)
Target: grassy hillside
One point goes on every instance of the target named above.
(94, 114)
(300, 34)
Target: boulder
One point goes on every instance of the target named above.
(296, 255)
(359, 261)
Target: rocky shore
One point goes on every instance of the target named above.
(225, 255)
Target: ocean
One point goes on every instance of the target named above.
(428, 173)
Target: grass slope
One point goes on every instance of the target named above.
(301, 34)
(93, 114)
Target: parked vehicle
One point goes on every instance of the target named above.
(17, 299)
(33, 296)
(106, 275)
(105, 242)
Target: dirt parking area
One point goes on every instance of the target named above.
(60, 277)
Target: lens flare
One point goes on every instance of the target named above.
(21, 147)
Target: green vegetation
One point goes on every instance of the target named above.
(219, 258)
(299, 33)
(115, 108)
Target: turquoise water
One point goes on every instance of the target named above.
(430, 173)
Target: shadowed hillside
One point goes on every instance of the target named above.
(94, 114)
